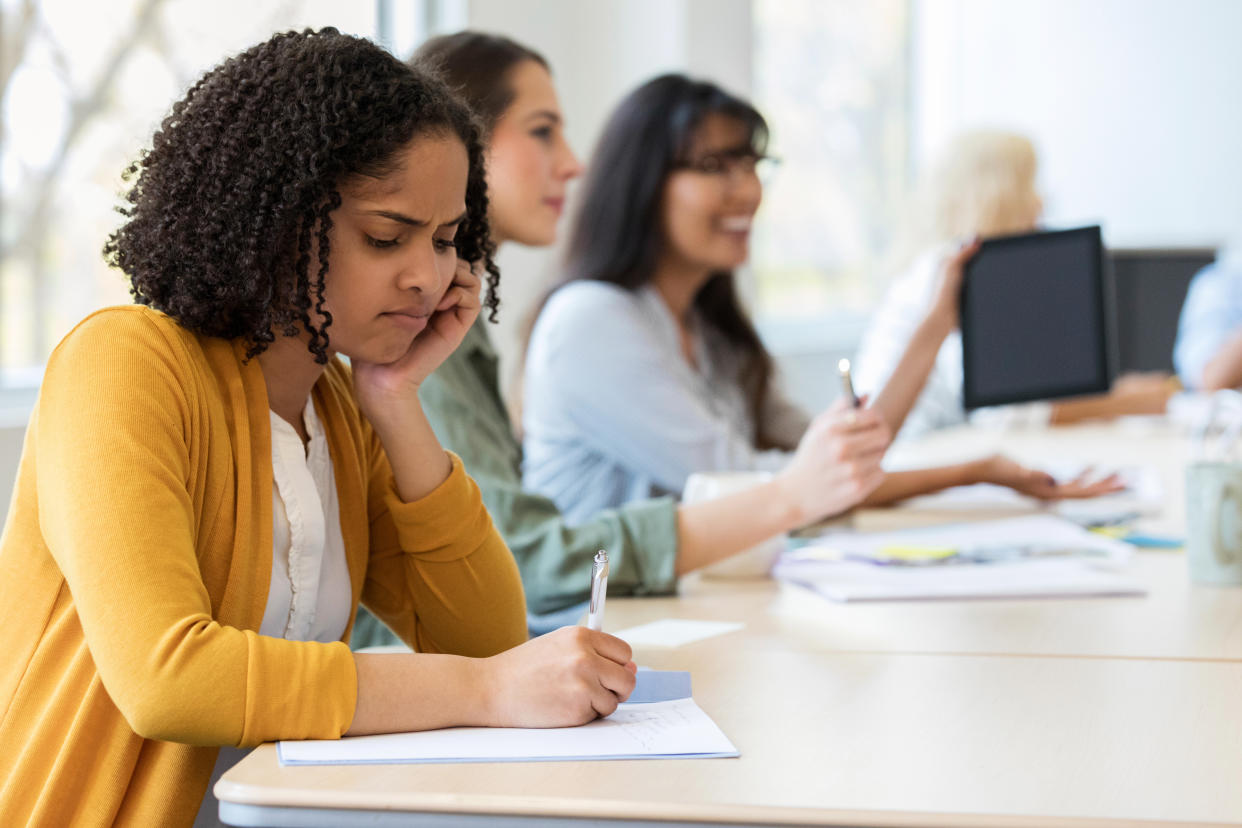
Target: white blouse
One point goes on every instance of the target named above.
(309, 598)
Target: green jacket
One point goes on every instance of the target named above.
(463, 402)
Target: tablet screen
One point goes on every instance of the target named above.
(1033, 319)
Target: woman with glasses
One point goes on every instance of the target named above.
(643, 368)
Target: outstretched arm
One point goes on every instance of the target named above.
(996, 469)
(905, 385)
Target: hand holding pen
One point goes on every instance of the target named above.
(837, 462)
(567, 677)
(847, 385)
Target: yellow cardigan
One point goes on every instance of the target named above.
(134, 570)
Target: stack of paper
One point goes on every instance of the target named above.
(660, 720)
(1035, 556)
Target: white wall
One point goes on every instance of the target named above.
(1134, 105)
(599, 51)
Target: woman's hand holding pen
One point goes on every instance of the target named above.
(565, 678)
(837, 463)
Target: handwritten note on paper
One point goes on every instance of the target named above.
(674, 728)
(674, 632)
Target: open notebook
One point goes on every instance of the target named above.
(659, 721)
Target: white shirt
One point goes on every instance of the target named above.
(884, 343)
(310, 597)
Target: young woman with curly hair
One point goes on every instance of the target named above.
(206, 493)
(643, 367)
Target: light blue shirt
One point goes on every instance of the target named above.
(1211, 314)
(613, 411)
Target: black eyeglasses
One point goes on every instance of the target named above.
(732, 165)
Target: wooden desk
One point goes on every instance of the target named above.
(1010, 713)
(1137, 441)
(858, 739)
(1175, 620)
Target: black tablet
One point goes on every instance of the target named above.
(1034, 321)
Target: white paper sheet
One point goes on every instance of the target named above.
(1033, 531)
(831, 565)
(665, 729)
(674, 632)
(852, 581)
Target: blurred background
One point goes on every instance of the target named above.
(1133, 105)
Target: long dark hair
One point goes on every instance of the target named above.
(246, 168)
(617, 235)
(476, 66)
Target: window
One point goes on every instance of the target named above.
(831, 76)
(82, 88)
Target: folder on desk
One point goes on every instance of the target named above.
(659, 721)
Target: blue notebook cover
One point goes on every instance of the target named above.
(659, 685)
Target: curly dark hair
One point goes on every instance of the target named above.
(246, 168)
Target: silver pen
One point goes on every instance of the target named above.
(847, 385)
(599, 591)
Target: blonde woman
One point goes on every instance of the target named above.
(983, 185)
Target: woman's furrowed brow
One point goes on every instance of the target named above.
(400, 217)
(392, 215)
